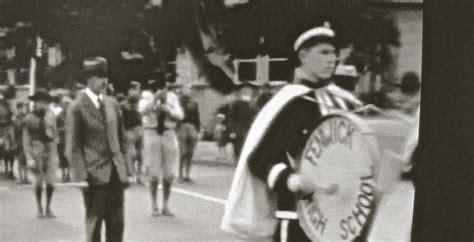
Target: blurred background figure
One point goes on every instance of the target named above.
(55, 105)
(265, 94)
(110, 90)
(132, 120)
(161, 111)
(150, 136)
(239, 116)
(188, 130)
(61, 125)
(18, 125)
(346, 77)
(7, 139)
(40, 145)
(406, 95)
(221, 137)
(121, 99)
(135, 89)
(401, 96)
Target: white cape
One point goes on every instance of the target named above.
(250, 207)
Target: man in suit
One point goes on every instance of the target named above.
(95, 147)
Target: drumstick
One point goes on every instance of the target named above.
(291, 160)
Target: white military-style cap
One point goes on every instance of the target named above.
(320, 31)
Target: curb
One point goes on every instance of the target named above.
(213, 162)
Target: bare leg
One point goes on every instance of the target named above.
(5, 163)
(38, 195)
(49, 196)
(68, 176)
(25, 171)
(181, 166)
(139, 172)
(222, 153)
(63, 174)
(166, 196)
(153, 192)
(187, 166)
(20, 174)
(11, 161)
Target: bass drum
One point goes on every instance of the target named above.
(340, 161)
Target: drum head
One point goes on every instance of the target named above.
(338, 163)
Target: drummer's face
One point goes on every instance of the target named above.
(319, 61)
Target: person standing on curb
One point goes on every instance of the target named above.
(161, 112)
(188, 130)
(18, 125)
(40, 138)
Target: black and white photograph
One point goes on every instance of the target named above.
(229, 120)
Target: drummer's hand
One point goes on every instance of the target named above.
(297, 184)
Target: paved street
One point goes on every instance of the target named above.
(198, 208)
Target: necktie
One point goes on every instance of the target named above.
(101, 105)
(161, 119)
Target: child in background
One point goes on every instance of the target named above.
(220, 132)
(64, 164)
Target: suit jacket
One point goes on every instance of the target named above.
(94, 140)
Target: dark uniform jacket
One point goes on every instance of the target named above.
(287, 135)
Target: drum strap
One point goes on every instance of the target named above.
(286, 215)
(284, 225)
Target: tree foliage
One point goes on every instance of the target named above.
(107, 27)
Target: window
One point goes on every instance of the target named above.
(247, 71)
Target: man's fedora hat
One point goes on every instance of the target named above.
(40, 95)
(95, 66)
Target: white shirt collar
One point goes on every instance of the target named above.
(94, 97)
